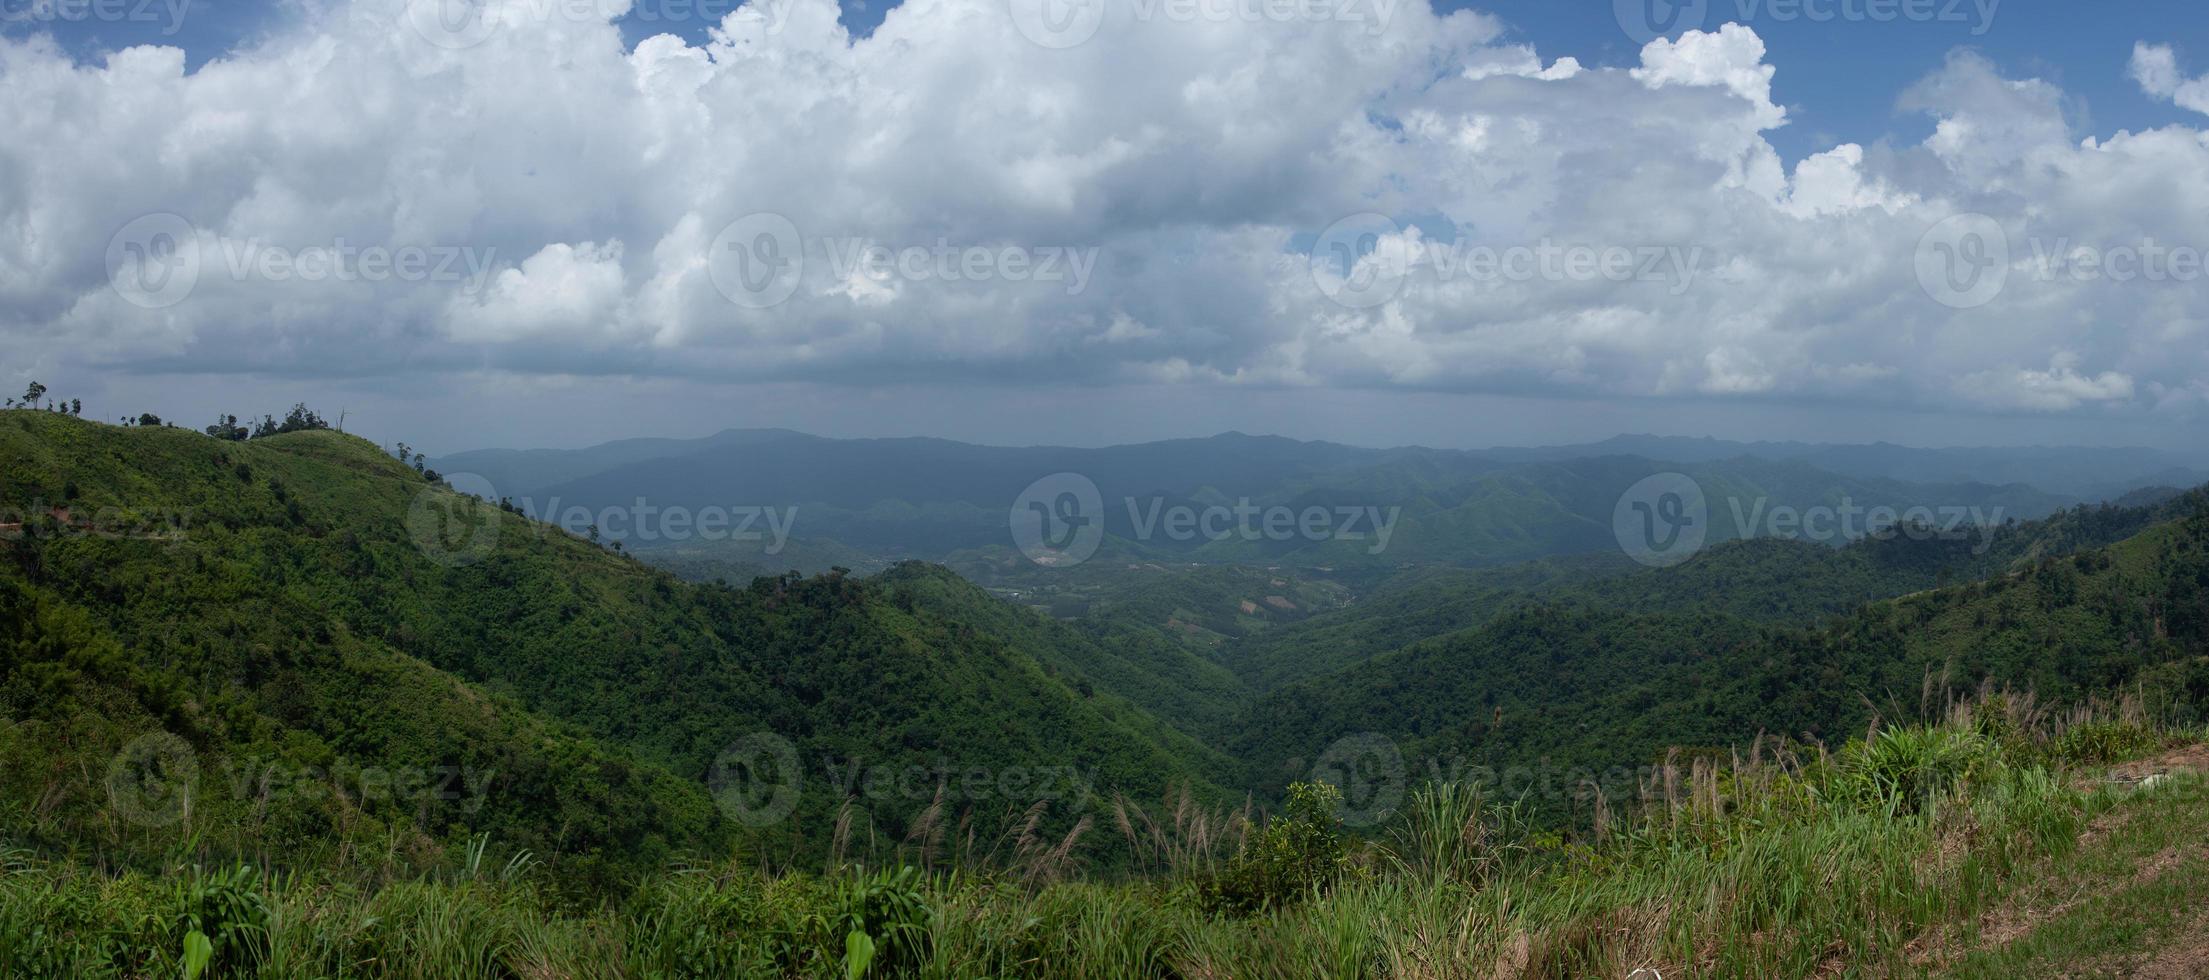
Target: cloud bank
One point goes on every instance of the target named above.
(1375, 196)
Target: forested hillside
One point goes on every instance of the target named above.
(309, 604)
(1567, 682)
(1765, 579)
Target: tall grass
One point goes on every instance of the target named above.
(1784, 864)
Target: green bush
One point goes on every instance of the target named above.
(2100, 742)
(228, 908)
(1298, 853)
(1909, 769)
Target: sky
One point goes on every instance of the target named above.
(555, 222)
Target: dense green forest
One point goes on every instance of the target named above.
(300, 608)
(1766, 579)
(1604, 677)
(299, 658)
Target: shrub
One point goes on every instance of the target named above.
(1298, 853)
(230, 910)
(2095, 743)
(1906, 769)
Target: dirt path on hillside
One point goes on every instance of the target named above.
(2185, 959)
(2185, 758)
(2184, 954)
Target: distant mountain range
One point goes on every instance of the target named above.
(2090, 474)
(887, 499)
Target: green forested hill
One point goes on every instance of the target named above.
(309, 605)
(1568, 682)
(1764, 579)
(211, 623)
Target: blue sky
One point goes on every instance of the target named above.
(1840, 79)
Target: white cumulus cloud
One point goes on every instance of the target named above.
(1597, 231)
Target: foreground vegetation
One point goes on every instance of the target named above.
(1785, 862)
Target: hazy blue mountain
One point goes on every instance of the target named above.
(2091, 474)
(933, 498)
